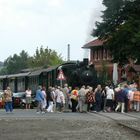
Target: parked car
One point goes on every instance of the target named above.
(1, 99)
(19, 100)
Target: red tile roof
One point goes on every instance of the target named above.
(93, 43)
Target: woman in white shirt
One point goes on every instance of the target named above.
(28, 98)
(109, 98)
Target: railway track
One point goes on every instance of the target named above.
(131, 122)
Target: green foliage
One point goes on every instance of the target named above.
(110, 18)
(103, 75)
(16, 63)
(1, 64)
(121, 28)
(45, 58)
(3, 71)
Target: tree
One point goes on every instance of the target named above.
(104, 74)
(16, 63)
(45, 57)
(121, 29)
(110, 18)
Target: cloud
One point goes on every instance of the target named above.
(9, 16)
(55, 3)
(53, 23)
(20, 14)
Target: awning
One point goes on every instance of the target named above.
(38, 72)
(50, 69)
(3, 76)
(35, 73)
(18, 75)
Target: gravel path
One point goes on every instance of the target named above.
(64, 126)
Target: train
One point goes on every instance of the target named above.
(75, 73)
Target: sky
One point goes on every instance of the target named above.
(28, 24)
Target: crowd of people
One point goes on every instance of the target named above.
(122, 98)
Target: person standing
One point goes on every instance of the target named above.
(82, 99)
(60, 100)
(126, 92)
(66, 94)
(28, 93)
(120, 97)
(74, 98)
(54, 98)
(90, 98)
(39, 98)
(103, 104)
(44, 103)
(110, 98)
(8, 100)
(98, 98)
(136, 99)
(50, 98)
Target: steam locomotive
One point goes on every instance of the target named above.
(76, 74)
(80, 73)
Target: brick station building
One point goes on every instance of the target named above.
(101, 57)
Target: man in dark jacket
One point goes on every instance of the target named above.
(126, 93)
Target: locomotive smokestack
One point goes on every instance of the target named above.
(68, 59)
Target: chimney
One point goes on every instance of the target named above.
(68, 58)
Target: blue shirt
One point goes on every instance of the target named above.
(126, 91)
(39, 95)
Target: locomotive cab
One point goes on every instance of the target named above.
(79, 73)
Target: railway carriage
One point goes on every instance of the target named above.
(76, 74)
